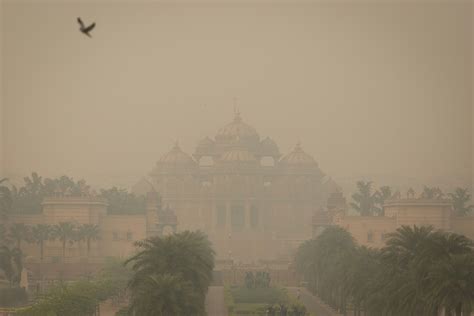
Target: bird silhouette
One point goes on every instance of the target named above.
(85, 29)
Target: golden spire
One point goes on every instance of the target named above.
(176, 144)
(236, 110)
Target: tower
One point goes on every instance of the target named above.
(167, 222)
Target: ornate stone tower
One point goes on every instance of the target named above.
(153, 206)
(167, 222)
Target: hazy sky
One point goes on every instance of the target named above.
(377, 90)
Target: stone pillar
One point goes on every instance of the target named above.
(213, 217)
(247, 216)
(228, 217)
(152, 207)
(260, 217)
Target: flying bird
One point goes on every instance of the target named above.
(85, 29)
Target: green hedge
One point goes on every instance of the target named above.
(250, 309)
(258, 295)
(11, 297)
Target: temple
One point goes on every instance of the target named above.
(238, 188)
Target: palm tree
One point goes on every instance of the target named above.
(28, 198)
(420, 271)
(165, 294)
(364, 199)
(65, 232)
(40, 234)
(460, 198)
(187, 254)
(20, 232)
(405, 244)
(451, 284)
(326, 262)
(5, 199)
(381, 195)
(432, 193)
(89, 233)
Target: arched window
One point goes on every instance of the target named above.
(254, 220)
(221, 215)
(237, 217)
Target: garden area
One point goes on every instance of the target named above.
(258, 298)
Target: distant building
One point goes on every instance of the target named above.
(372, 231)
(252, 202)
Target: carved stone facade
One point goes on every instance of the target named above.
(239, 189)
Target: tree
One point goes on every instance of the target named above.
(364, 199)
(79, 298)
(4, 238)
(249, 280)
(118, 276)
(11, 263)
(165, 294)
(28, 198)
(65, 232)
(460, 198)
(41, 233)
(187, 255)
(405, 244)
(432, 193)
(122, 202)
(89, 232)
(20, 232)
(66, 185)
(261, 280)
(451, 284)
(381, 195)
(6, 200)
(325, 262)
(420, 271)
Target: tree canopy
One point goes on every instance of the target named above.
(171, 275)
(420, 271)
(28, 197)
(368, 202)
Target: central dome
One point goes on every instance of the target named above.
(237, 130)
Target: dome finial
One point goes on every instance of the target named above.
(236, 110)
(298, 146)
(176, 144)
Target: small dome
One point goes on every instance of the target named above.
(238, 155)
(299, 157)
(205, 147)
(206, 142)
(237, 129)
(331, 185)
(269, 147)
(176, 157)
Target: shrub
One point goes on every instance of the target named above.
(78, 298)
(10, 297)
(258, 295)
(229, 300)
